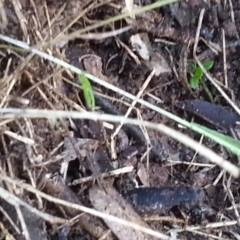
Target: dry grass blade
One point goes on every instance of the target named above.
(95, 79)
(60, 165)
(202, 150)
(78, 207)
(112, 173)
(99, 36)
(15, 201)
(4, 20)
(78, 33)
(129, 5)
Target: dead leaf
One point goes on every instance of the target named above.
(82, 146)
(143, 175)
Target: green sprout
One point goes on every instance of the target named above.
(87, 91)
(197, 73)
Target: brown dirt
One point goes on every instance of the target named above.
(83, 146)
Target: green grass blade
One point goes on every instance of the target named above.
(232, 144)
(87, 91)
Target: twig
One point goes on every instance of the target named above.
(74, 206)
(224, 58)
(103, 175)
(15, 201)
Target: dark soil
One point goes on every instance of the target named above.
(182, 193)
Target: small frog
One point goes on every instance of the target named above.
(152, 59)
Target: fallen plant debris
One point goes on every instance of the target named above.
(95, 67)
(113, 203)
(68, 170)
(217, 115)
(153, 201)
(57, 188)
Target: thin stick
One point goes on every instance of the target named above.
(112, 173)
(232, 15)
(144, 86)
(23, 223)
(15, 201)
(78, 207)
(10, 220)
(224, 58)
(20, 138)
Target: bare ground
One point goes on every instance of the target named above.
(184, 195)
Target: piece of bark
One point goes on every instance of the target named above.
(114, 204)
(91, 224)
(212, 113)
(152, 200)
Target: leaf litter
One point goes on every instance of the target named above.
(160, 166)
